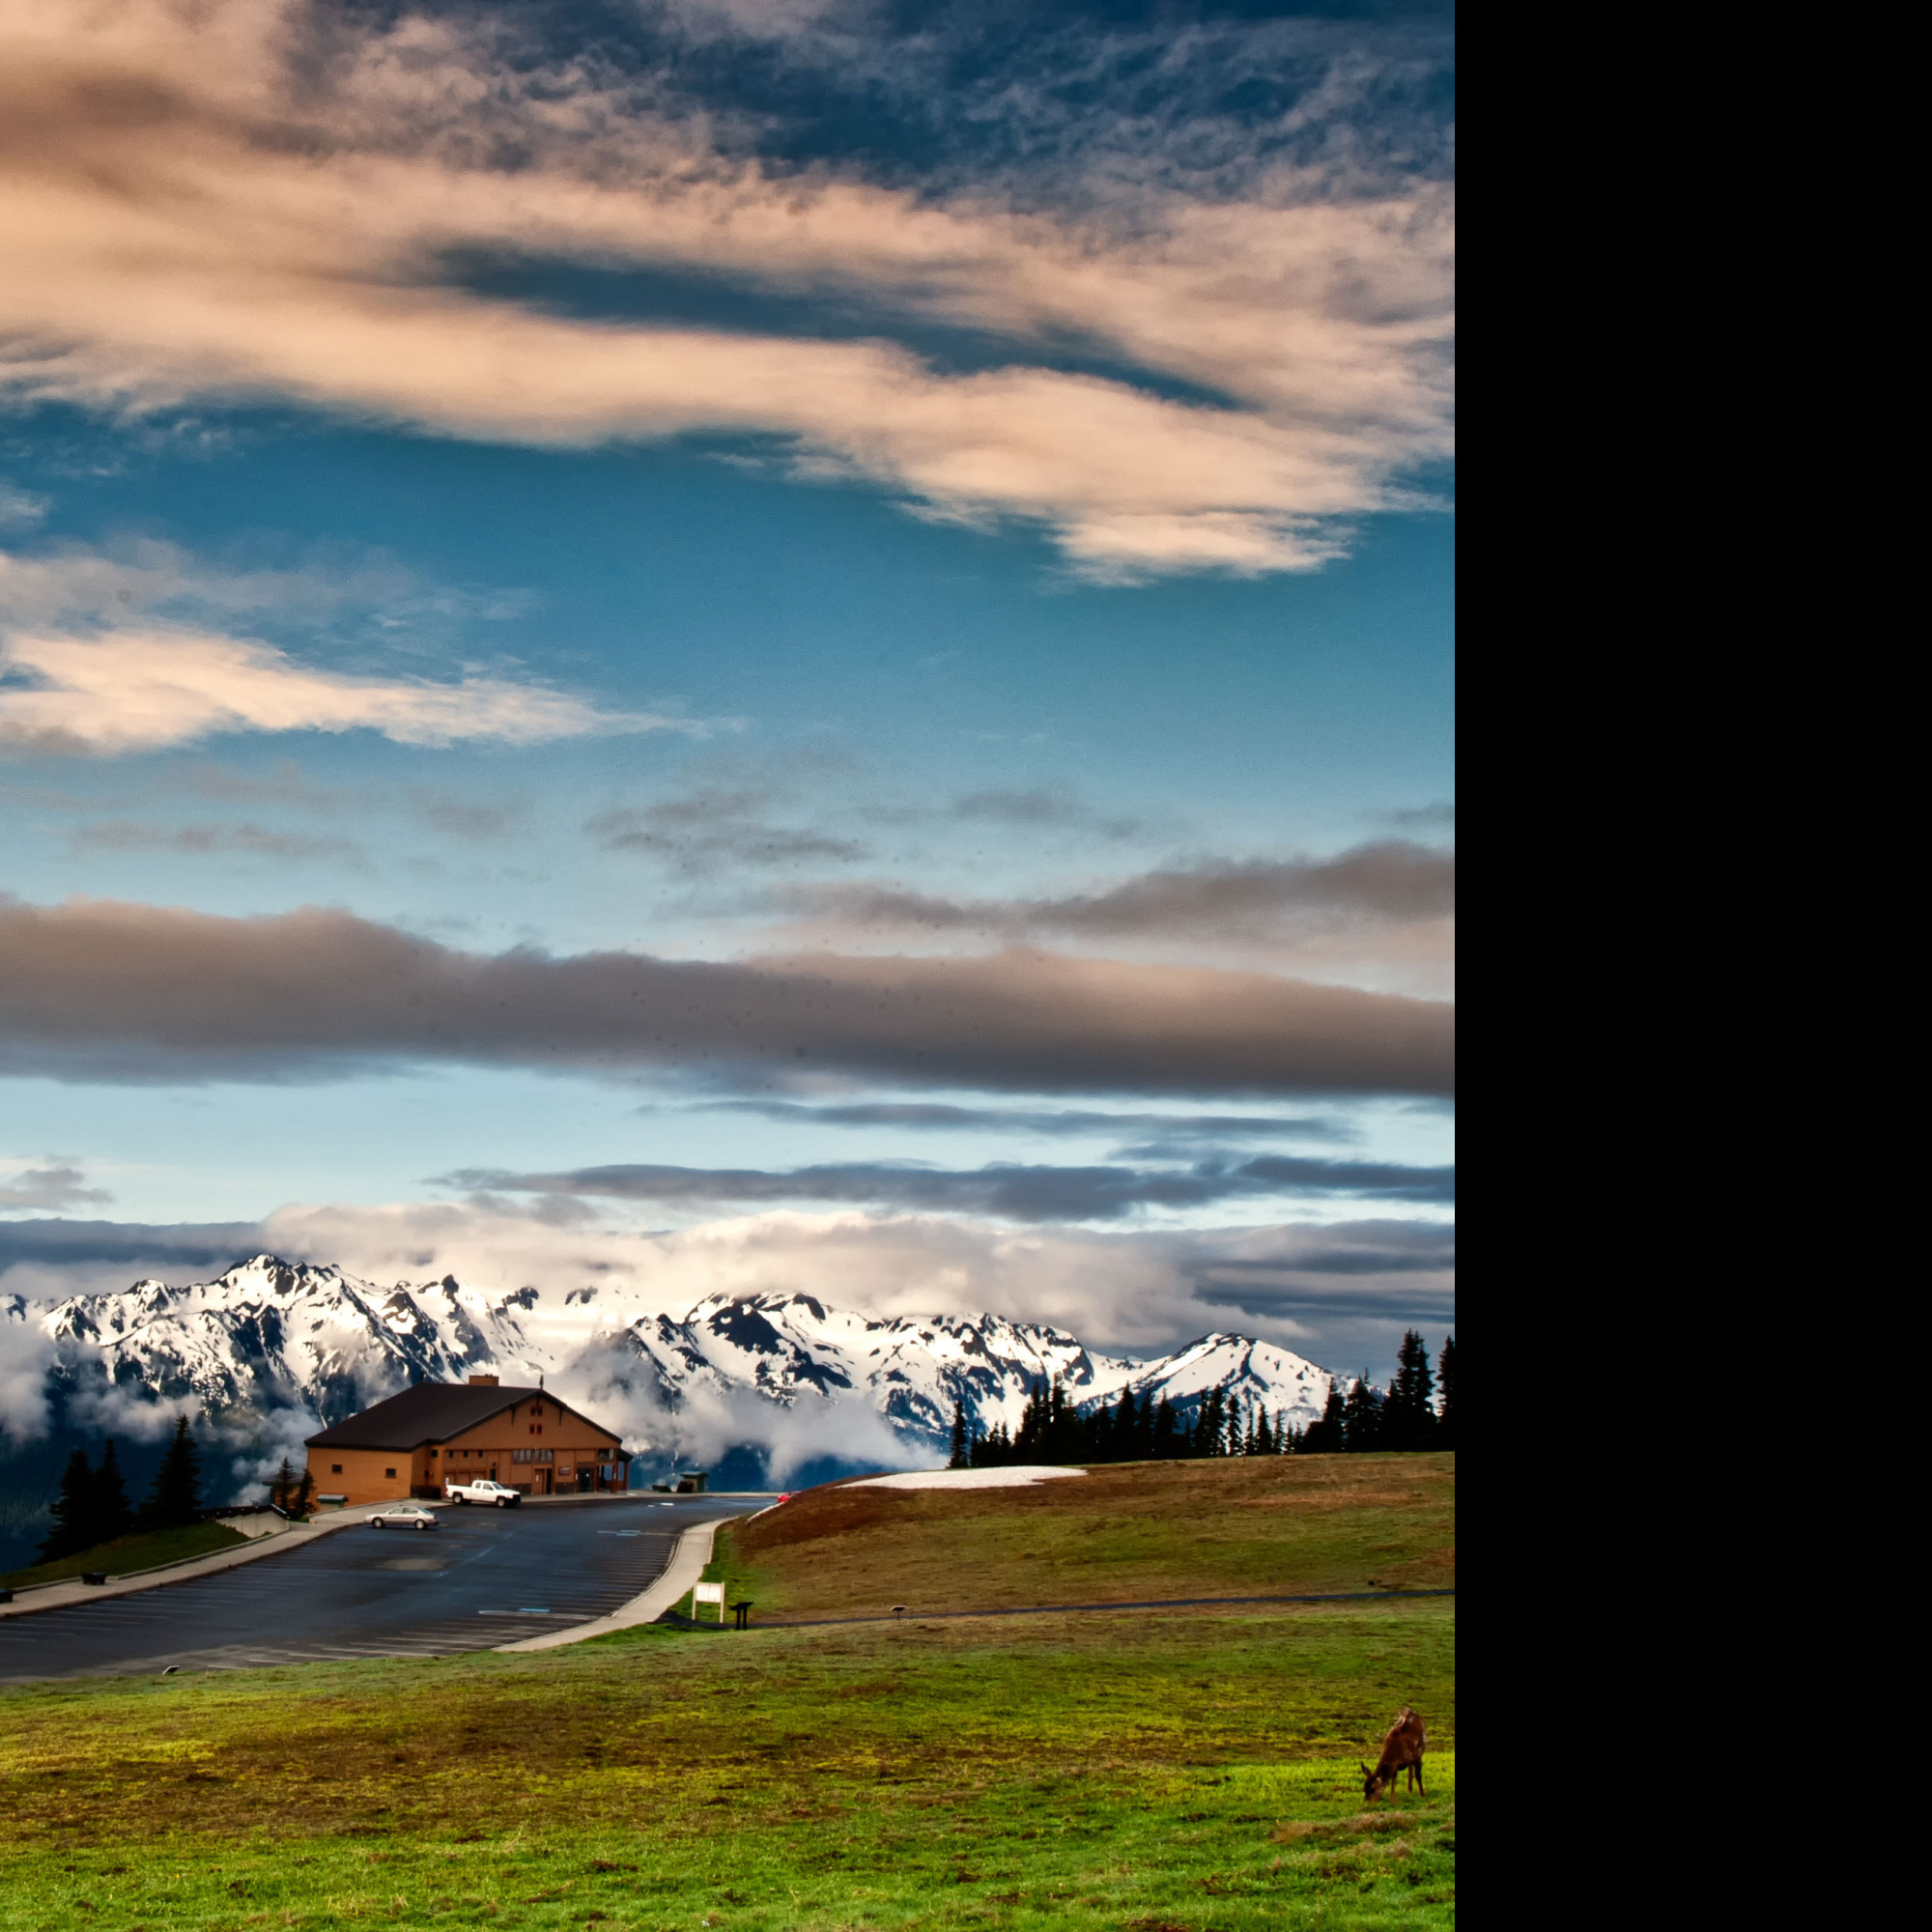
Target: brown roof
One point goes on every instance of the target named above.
(429, 1413)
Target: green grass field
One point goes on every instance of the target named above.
(129, 1553)
(1165, 1771)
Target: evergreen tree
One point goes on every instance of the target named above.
(1263, 1436)
(1408, 1415)
(1362, 1416)
(1164, 1445)
(1128, 1446)
(73, 1513)
(282, 1486)
(304, 1493)
(1445, 1415)
(174, 1499)
(112, 1516)
(959, 1459)
(1209, 1422)
(1325, 1437)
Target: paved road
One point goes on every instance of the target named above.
(485, 1578)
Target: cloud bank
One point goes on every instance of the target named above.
(107, 990)
(256, 202)
(1341, 1293)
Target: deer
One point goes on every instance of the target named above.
(1402, 1751)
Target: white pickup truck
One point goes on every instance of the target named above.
(482, 1491)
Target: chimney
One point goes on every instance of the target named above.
(482, 1382)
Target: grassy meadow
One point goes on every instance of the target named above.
(1136, 1771)
(145, 1549)
(1123, 1533)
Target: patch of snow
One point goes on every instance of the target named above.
(1015, 1476)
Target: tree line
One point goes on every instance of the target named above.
(93, 1508)
(1417, 1411)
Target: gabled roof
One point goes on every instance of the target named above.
(426, 1413)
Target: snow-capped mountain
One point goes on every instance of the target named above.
(270, 1336)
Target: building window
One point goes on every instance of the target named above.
(389, 1472)
(335, 1469)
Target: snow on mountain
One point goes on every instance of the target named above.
(272, 1336)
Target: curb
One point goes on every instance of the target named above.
(685, 1568)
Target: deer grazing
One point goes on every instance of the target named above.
(1402, 1751)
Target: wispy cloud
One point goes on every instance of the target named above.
(276, 224)
(1003, 1190)
(716, 828)
(101, 653)
(145, 691)
(250, 841)
(59, 1183)
(108, 990)
(944, 1117)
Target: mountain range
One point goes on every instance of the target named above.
(272, 1349)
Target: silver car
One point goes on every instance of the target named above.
(402, 1516)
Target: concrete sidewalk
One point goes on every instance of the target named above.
(685, 1568)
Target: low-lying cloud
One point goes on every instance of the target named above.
(108, 990)
(1003, 1190)
(1340, 1292)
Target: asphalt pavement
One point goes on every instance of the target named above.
(483, 1577)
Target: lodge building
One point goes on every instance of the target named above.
(522, 1437)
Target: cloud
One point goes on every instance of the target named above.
(714, 829)
(103, 989)
(60, 1183)
(1393, 880)
(20, 507)
(120, 835)
(1339, 1292)
(27, 1353)
(1002, 1190)
(149, 688)
(1380, 915)
(1042, 807)
(462, 818)
(939, 1117)
(258, 202)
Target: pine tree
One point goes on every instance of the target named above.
(959, 1459)
(1126, 1429)
(304, 1493)
(1263, 1436)
(1408, 1415)
(282, 1487)
(112, 1516)
(175, 1500)
(1164, 1446)
(1362, 1418)
(73, 1513)
(1209, 1421)
(1325, 1437)
(1445, 1415)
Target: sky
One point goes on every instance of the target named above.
(736, 644)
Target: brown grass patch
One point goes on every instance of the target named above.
(1122, 1533)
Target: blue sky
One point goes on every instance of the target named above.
(786, 488)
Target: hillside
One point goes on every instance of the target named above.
(1128, 1532)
